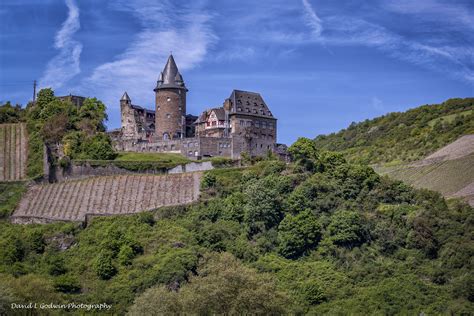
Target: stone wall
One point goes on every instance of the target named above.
(111, 195)
(13, 152)
(84, 170)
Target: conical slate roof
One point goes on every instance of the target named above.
(125, 97)
(170, 76)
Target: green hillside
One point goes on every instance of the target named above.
(318, 236)
(406, 136)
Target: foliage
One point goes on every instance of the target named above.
(10, 113)
(51, 121)
(403, 136)
(346, 229)
(10, 195)
(298, 234)
(268, 238)
(222, 286)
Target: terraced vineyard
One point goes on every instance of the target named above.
(111, 195)
(452, 178)
(13, 152)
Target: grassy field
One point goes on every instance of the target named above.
(152, 157)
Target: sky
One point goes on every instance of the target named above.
(318, 64)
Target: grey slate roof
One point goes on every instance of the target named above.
(170, 76)
(249, 103)
(125, 97)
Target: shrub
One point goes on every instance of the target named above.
(103, 265)
(67, 284)
(208, 181)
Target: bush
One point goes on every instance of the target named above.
(208, 181)
(11, 250)
(312, 293)
(126, 255)
(67, 284)
(103, 265)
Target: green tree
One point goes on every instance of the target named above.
(297, 234)
(262, 210)
(347, 229)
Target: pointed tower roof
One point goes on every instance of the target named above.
(170, 76)
(125, 97)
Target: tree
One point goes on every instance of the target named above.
(346, 229)
(303, 148)
(99, 147)
(262, 210)
(305, 153)
(298, 234)
(91, 116)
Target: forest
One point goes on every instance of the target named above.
(320, 235)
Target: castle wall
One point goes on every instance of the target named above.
(13, 152)
(86, 170)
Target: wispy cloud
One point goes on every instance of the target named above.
(312, 19)
(66, 64)
(439, 55)
(136, 70)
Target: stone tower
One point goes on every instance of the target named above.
(170, 103)
(129, 125)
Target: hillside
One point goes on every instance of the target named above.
(449, 170)
(318, 236)
(406, 136)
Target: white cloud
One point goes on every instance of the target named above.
(136, 70)
(66, 64)
(348, 30)
(312, 19)
(434, 10)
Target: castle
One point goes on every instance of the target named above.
(244, 123)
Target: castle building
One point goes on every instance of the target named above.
(244, 123)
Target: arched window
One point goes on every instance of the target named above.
(166, 136)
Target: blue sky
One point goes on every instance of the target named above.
(319, 64)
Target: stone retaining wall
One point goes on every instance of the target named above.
(110, 195)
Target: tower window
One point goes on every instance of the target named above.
(168, 115)
(168, 99)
